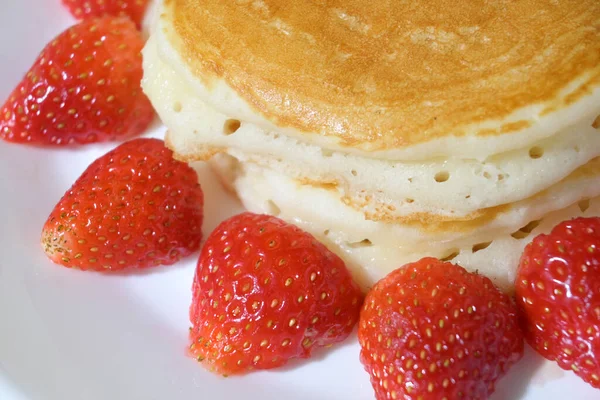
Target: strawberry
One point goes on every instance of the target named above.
(133, 207)
(265, 292)
(83, 9)
(84, 87)
(432, 330)
(558, 293)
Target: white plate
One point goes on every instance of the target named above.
(72, 335)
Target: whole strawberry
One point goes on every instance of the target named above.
(133, 207)
(84, 87)
(558, 293)
(82, 9)
(432, 330)
(265, 292)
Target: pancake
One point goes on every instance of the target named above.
(422, 79)
(373, 249)
(403, 187)
(390, 130)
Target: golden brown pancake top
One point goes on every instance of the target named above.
(383, 74)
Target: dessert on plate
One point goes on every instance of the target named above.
(402, 135)
(390, 130)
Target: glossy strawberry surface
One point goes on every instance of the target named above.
(133, 207)
(84, 87)
(266, 292)
(558, 292)
(84, 9)
(432, 330)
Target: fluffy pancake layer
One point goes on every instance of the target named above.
(390, 130)
(392, 79)
(375, 248)
(384, 190)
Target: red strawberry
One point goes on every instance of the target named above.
(265, 292)
(133, 207)
(558, 292)
(84, 87)
(82, 9)
(432, 330)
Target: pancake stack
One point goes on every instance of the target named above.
(390, 130)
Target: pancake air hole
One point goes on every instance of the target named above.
(453, 254)
(442, 176)
(584, 205)
(177, 107)
(231, 126)
(353, 172)
(536, 152)
(409, 201)
(526, 230)
(480, 246)
(362, 243)
(273, 208)
(326, 232)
